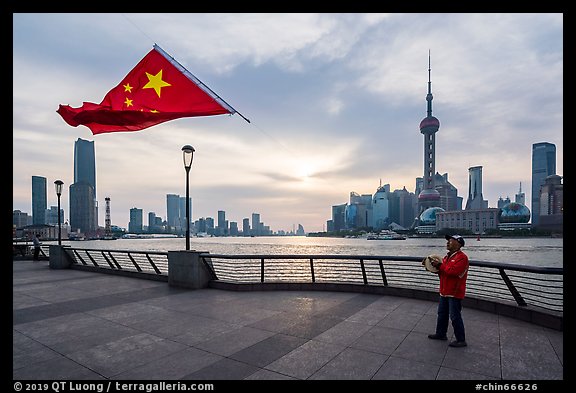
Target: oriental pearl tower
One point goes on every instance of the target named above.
(429, 196)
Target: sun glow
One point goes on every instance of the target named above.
(305, 170)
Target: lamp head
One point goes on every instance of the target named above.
(58, 184)
(188, 153)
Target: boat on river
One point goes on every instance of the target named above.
(385, 234)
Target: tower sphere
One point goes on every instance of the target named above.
(429, 124)
(428, 216)
(514, 213)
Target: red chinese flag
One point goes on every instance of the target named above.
(155, 91)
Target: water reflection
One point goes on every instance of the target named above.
(545, 252)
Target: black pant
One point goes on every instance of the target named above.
(450, 308)
(36, 253)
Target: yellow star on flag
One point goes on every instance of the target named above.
(128, 102)
(155, 82)
(127, 88)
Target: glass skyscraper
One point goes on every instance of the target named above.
(475, 198)
(173, 210)
(543, 165)
(85, 163)
(82, 209)
(39, 201)
(84, 178)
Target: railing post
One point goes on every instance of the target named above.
(384, 280)
(113, 260)
(312, 269)
(363, 272)
(262, 270)
(519, 300)
(134, 263)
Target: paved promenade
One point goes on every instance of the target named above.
(77, 325)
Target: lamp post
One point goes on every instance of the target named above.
(188, 153)
(58, 184)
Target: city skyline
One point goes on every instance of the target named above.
(334, 101)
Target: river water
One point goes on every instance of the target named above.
(543, 252)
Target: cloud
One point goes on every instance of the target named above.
(334, 100)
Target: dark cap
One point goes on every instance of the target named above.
(458, 238)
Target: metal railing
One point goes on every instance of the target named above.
(25, 249)
(541, 287)
(151, 262)
(524, 285)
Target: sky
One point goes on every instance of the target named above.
(334, 103)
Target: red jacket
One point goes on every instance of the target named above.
(453, 273)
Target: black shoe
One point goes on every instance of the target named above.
(437, 337)
(457, 344)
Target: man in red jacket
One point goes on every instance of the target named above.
(453, 271)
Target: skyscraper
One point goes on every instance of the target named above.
(39, 201)
(521, 197)
(246, 227)
(173, 210)
(85, 163)
(475, 198)
(85, 173)
(429, 196)
(256, 224)
(82, 209)
(543, 165)
(222, 227)
(381, 207)
(551, 204)
(136, 223)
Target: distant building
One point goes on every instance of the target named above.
(552, 204)
(520, 197)
(381, 208)
(21, 219)
(300, 230)
(82, 209)
(403, 206)
(429, 196)
(475, 198)
(359, 211)
(514, 216)
(209, 225)
(52, 215)
(543, 165)
(449, 199)
(233, 230)
(476, 221)
(152, 227)
(222, 226)
(503, 202)
(173, 210)
(246, 227)
(256, 226)
(428, 219)
(338, 218)
(39, 200)
(85, 172)
(136, 223)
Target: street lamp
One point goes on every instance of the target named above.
(188, 153)
(58, 184)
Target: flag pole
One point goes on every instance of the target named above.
(198, 82)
